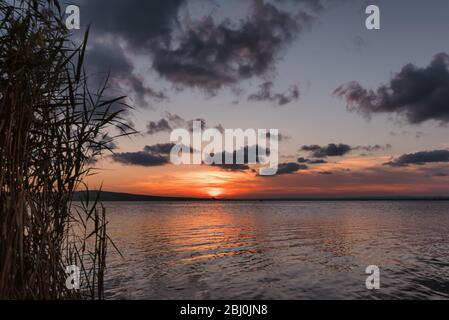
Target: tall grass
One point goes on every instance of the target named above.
(52, 128)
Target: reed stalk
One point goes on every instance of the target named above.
(53, 126)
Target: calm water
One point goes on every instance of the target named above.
(278, 250)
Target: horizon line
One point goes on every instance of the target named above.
(145, 197)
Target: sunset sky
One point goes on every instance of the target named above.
(361, 113)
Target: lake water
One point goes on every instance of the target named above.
(278, 250)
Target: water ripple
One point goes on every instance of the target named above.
(278, 250)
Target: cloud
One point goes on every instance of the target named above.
(210, 55)
(206, 52)
(122, 28)
(418, 94)
(161, 148)
(331, 150)
(338, 150)
(290, 168)
(255, 149)
(140, 158)
(232, 167)
(420, 158)
(173, 121)
(373, 148)
(314, 5)
(110, 58)
(311, 161)
(265, 94)
(137, 22)
(151, 156)
(154, 127)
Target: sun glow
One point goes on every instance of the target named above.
(215, 192)
(200, 182)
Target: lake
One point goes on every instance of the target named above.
(278, 250)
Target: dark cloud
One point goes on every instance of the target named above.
(211, 55)
(291, 167)
(313, 5)
(337, 150)
(373, 148)
(137, 22)
(140, 158)
(151, 156)
(311, 161)
(232, 167)
(173, 121)
(257, 150)
(265, 94)
(418, 94)
(420, 158)
(154, 127)
(120, 28)
(310, 148)
(317, 161)
(104, 59)
(331, 150)
(205, 53)
(161, 148)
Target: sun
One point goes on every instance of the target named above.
(215, 192)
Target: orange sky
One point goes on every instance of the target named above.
(352, 176)
(312, 76)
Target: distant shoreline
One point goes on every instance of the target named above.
(106, 196)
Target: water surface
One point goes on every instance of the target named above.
(278, 250)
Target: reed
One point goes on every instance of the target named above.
(53, 126)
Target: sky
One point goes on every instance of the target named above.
(361, 112)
